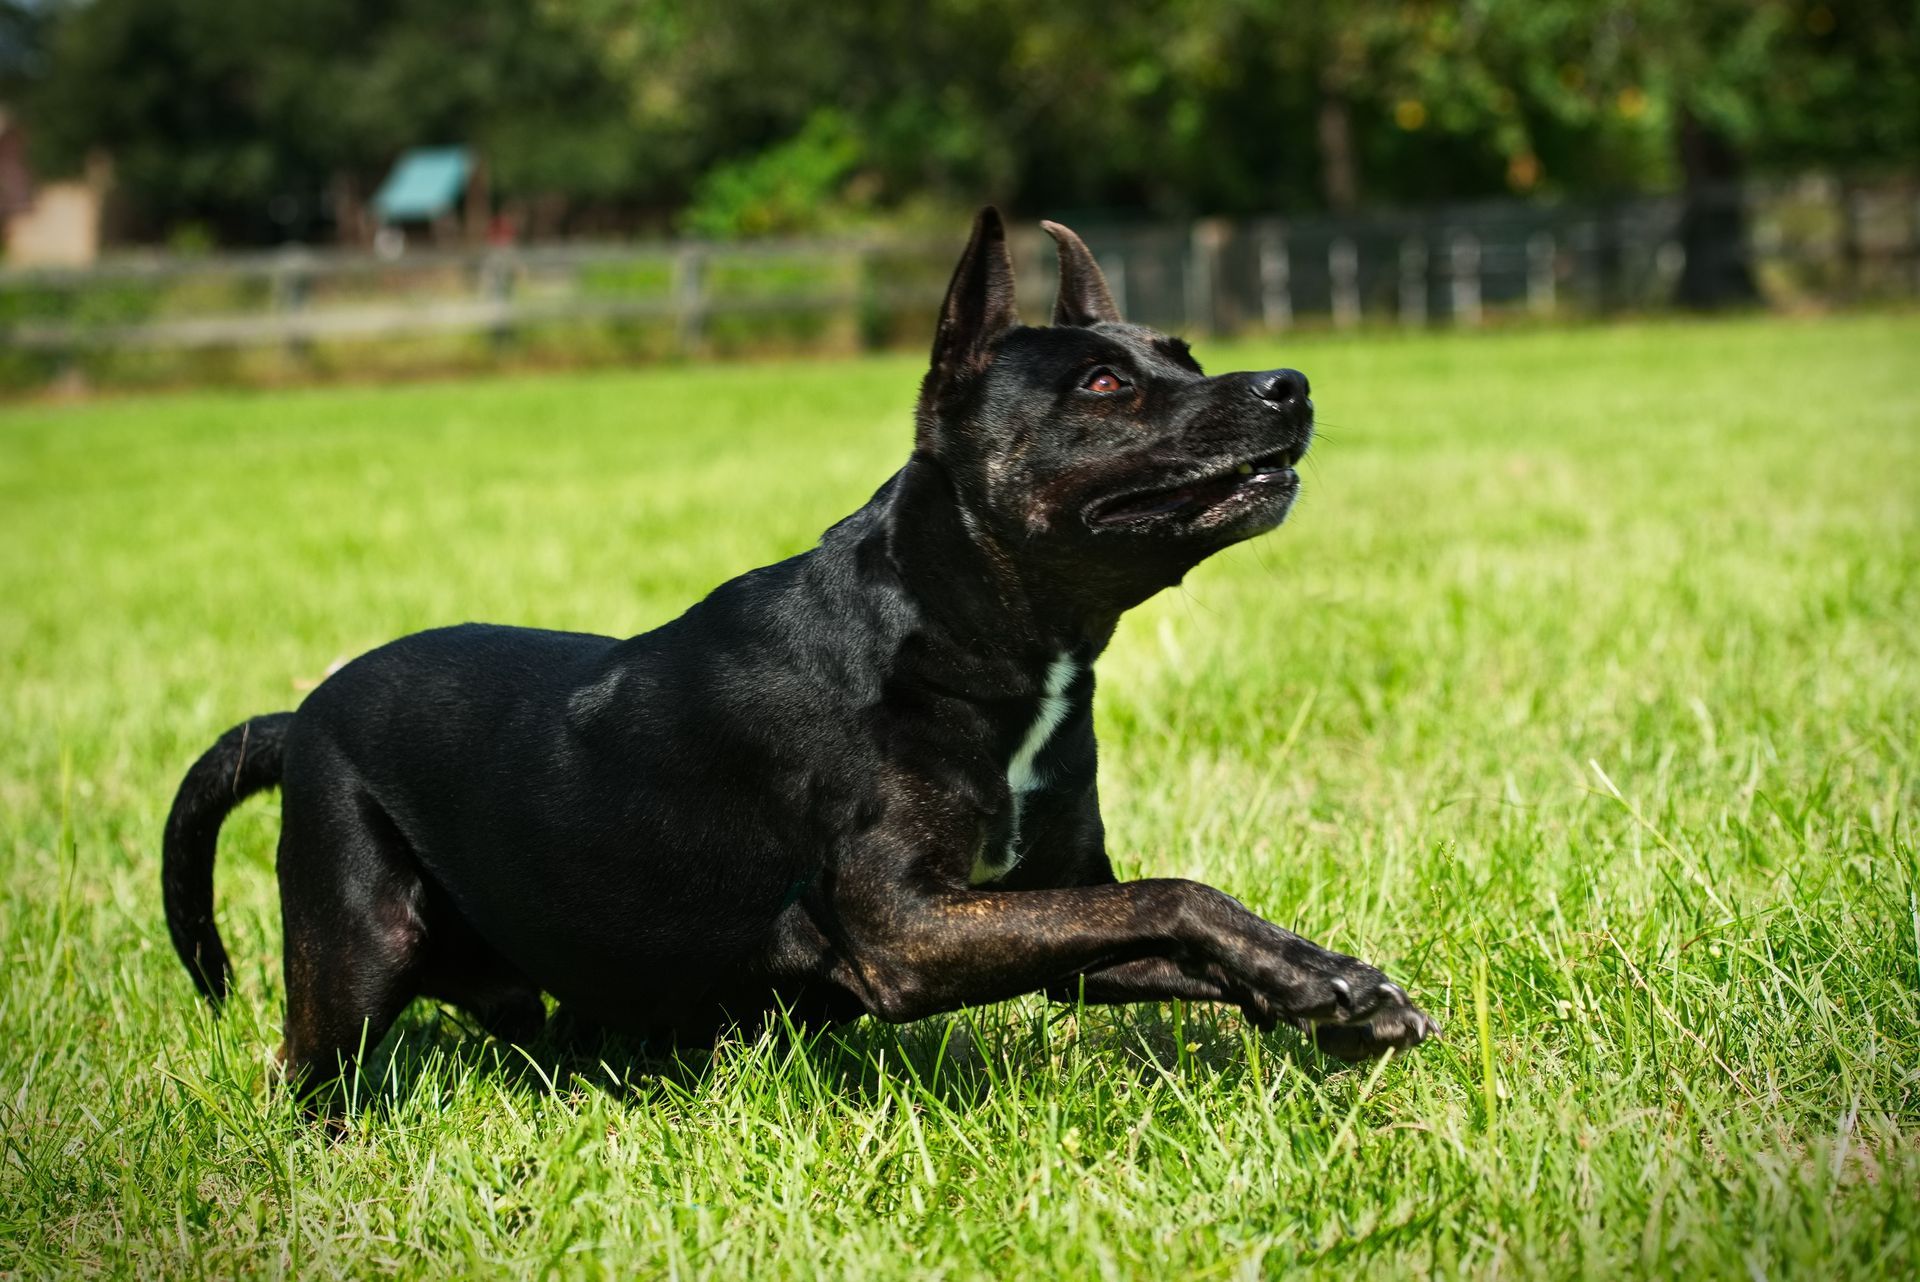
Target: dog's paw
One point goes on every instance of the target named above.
(1260, 1013)
(1353, 1012)
(1369, 1022)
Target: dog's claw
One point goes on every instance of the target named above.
(1368, 1023)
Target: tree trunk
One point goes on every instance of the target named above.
(1718, 271)
(352, 225)
(1339, 175)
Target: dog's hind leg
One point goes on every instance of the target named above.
(460, 967)
(350, 904)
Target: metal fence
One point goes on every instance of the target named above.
(1812, 241)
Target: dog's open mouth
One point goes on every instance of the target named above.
(1272, 472)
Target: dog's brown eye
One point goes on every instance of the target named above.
(1103, 380)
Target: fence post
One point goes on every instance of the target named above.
(1343, 265)
(1852, 258)
(869, 309)
(689, 297)
(1115, 270)
(1913, 245)
(1541, 256)
(1413, 281)
(1203, 262)
(1669, 263)
(1276, 295)
(1463, 265)
(1610, 257)
(850, 279)
(496, 287)
(291, 286)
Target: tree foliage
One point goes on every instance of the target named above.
(748, 116)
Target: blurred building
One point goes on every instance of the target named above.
(49, 224)
(438, 192)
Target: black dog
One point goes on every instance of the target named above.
(860, 781)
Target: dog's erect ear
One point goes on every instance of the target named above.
(979, 306)
(1084, 298)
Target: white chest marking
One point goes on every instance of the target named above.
(1022, 778)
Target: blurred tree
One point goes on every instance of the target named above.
(1713, 88)
(23, 37)
(247, 117)
(798, 185)
(748, 116)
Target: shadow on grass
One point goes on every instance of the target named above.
(958, 1061)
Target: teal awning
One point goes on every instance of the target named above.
(425, 183)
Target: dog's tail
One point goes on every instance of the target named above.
(241, 762)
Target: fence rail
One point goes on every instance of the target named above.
(1812, 240)
(500, 317)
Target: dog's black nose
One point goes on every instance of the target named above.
(1281, 386)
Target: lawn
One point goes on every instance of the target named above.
(1581, 692)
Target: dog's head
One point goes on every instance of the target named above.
(1098, 453)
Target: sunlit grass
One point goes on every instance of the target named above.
(1580, 693)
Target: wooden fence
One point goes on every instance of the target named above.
(1817, 239)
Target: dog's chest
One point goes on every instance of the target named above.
(1023, 773)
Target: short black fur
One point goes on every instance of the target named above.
(859, 781)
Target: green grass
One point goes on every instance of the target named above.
(1582, 693)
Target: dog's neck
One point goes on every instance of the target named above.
(939, 548)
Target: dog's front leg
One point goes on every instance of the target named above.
(909, 953)
(1156, 979)
(1159, 979)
